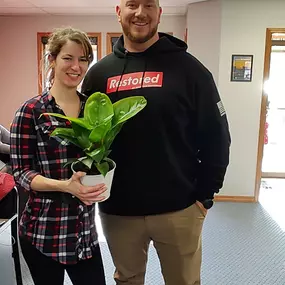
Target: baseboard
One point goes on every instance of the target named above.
(242, 199)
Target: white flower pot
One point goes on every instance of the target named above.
(92, 180)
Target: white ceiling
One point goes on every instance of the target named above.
(80, 7)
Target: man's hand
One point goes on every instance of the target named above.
(200, 205)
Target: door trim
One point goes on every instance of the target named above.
(273, 175)
(240, 199)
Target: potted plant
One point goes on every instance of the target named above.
(95, 132)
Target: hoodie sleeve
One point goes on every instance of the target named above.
(213, 138)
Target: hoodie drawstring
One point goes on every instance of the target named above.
(144, 71)
(123, 70)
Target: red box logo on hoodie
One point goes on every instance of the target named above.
(134, 80)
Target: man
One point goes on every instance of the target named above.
(171, 158)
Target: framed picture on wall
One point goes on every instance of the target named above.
(241, 69)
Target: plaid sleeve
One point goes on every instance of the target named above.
(23, 143)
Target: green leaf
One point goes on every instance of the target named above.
(68, 134)
(87, 161)
(82, 135)
(106, 154)
(97, 154)
(103, 168)
(64, 132)
(100, 132)
(98, 110)
(110, 136)
(80, 121)
(126, 108)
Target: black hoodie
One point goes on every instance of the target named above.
(176, 150)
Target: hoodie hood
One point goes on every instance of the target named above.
(165, 44)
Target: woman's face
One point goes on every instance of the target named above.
(70, 65)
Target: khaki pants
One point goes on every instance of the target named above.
(176, 237)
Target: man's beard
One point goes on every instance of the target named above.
(138, 39)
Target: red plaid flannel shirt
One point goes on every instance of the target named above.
(65, 232)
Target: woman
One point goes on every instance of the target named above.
(57, 227)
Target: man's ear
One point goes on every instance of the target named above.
(118, 11)
(160, 12)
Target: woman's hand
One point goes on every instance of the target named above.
(87, 194)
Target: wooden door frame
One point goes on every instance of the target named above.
(109, 36)
(40, 52)
(99, 43)
(268, 46)
(40, 35)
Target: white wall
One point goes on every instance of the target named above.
(244, 26)
(204, 33)
(243, 31)
(18, 72)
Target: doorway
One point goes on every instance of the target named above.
(271, 149)
(273, 162)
